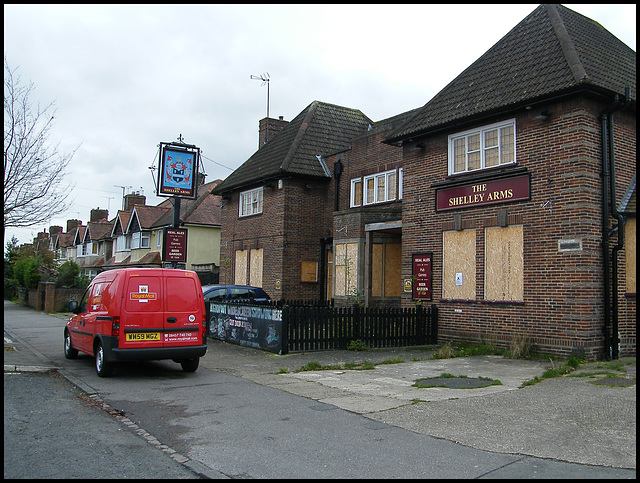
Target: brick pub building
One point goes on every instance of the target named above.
(519, 179)
(508, 199)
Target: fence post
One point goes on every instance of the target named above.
(284, 348)
(434, 324)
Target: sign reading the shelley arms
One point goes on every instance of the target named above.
(178, 171)
(483, 193)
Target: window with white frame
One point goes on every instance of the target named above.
(123, 243)
(356, 192)
(400, 183)
(140, 239)
(251, 202)
(482, 148)
(380, 187)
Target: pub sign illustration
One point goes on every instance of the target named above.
(178, 170)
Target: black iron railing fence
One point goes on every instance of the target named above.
(323, 328)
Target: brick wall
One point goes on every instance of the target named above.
(294, 220)
(562, 311)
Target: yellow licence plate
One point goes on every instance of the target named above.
(142, 336)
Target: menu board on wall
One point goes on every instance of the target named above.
(422, 276)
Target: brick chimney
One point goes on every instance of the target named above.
(55, 230)
(268, 128)
(133, 199)
(98, 214)
(72, 224)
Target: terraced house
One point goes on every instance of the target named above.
(508, 199)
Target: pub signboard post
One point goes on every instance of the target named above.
(178, 178)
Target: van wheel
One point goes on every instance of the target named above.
(69, 351)
(103, 368)
(190, 365)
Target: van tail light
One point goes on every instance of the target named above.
(204, 328)
(115, 326)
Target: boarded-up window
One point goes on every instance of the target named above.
(309, 272)
(346, 263)
(385, 270)
(504, 264)
(392, 268)
(241, 267)
(255, 275)
(459, 265)
(377, 274)
(630, 253)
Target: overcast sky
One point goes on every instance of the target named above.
(125, 78)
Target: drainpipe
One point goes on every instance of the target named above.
(616, 214)
(337, 172)
(611, 338)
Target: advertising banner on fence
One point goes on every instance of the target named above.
(254, 326)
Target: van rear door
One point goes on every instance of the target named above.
(183, 310)
(142, 323)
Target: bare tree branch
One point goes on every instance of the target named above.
(34, 169)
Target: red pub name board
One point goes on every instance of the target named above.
(175, 245)
(483, 193)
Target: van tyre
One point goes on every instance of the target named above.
(190, 365)
(69, 351)
(103, 367)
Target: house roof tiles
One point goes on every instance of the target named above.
(320, 129)
(553, 50)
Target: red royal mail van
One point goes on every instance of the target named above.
(139, 314)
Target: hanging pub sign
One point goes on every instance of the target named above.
(422, 276)
(174, 245)
(178, 170)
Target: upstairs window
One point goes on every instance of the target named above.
(140, 239)
(251, 202)
(356, 192)
(123, 243)
(482, 148)
(380, 187)
(376, 188)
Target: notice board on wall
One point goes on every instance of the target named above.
(422, 276)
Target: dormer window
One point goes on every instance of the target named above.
(483, 148)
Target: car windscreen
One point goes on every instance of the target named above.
(243, 293)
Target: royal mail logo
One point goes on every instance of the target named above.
(143, 294)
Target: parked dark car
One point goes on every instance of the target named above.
(234, 293)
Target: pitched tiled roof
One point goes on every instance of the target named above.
(99, 230)
(552, 51)
(204, 210)
(146, 215)
(120, 223)
(319, 130)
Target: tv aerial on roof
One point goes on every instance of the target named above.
(265, 80)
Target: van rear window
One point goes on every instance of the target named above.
(182, 294)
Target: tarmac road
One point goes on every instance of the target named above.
(52, 431)
(548, 427)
